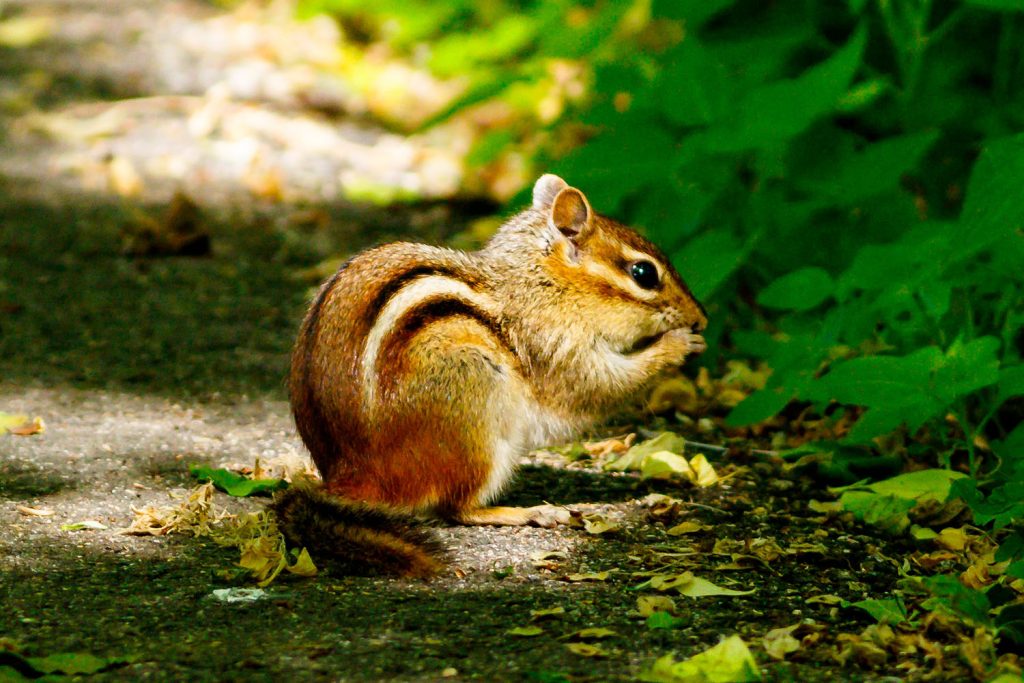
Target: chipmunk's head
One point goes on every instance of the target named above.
(622, 279)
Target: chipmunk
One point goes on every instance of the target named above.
(421, 374)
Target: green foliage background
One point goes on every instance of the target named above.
(841, 183)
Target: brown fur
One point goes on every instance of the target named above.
(539, 343)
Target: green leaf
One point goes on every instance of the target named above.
(693, 89)
(800, 290)
(952, 596)
(708, 260)
(922, 485)
(66, 663)
(775, 112)
(235, 484)
(1011, 383)
(887, 611)
(994, 206)
(967, 368)
(887, 512)
(759, 406)
(877, 168)
(455, 53)
(617, 165)
(664, 621)
(999, 5)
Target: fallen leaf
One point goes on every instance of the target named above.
(646, 605)
(953, 539)
(33, 512)
(586, 650)
(36, 426)
(549, 613)
(824, 600)
(595, 633)
(90, 524)
(525, 631)
(780, 642)
(665, 465)
(689, 585)
(594, 576)
(9, 421)
(235, 484)
(728, 662)
(663, 620)
(595, 523)
(687, 528)
(303, 564)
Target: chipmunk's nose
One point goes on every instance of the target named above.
(700, 325)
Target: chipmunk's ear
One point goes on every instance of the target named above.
(571, 214)
(545, 190)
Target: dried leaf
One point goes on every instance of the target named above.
(953, 539)
(33, 512)
(780, 642)
(303, 565)
(595, 576)
(36, 426)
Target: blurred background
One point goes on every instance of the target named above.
(839, 182)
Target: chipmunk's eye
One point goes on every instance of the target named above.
(645, 273)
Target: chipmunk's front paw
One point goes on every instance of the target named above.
(548, 516)
(684, 343)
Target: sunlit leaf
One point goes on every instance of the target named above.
(728, 662)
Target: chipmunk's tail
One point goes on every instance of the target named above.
(356, 538)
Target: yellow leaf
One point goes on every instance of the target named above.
(824, 599)
(699, 588)
(586, 650)
(303, 565)
(596, 576)
(24, 31)
(596, 633)
(704, 474)
(665, 464)
(687, 528)
(599, 524)
(9, 421)
(728, 662)
(666, 582)
(646, 605)
(525, 631)
(952, 539)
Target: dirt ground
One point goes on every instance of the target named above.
(141, 365)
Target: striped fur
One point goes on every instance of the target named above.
(421, 374)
